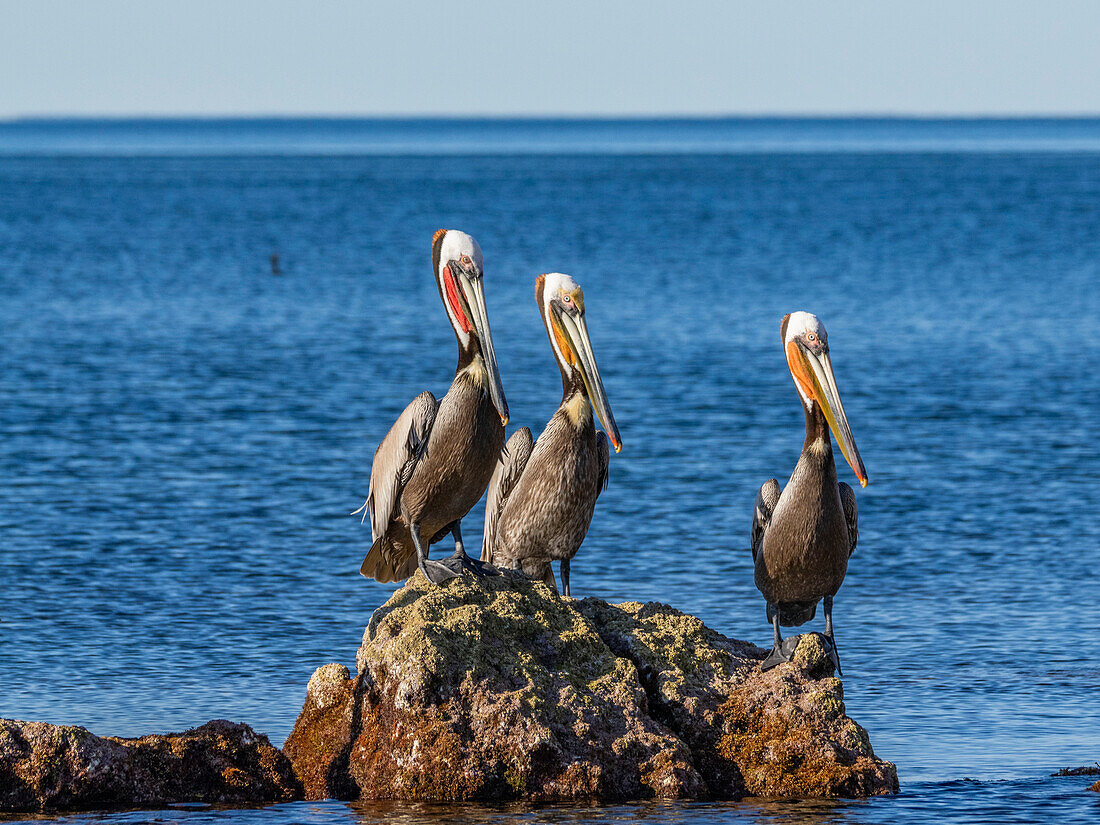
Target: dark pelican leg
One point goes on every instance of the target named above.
(460, 561)
(783, 649)
(565, 577)
(828, 605)
(438, 572)
(434, 571)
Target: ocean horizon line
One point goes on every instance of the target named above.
(778, 118)
(377, 136)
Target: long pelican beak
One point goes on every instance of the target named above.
(474, 293)
(577, 330)
(821, 372)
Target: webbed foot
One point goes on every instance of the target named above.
(782, 652)
(454, 566)
(834, 655)
(829, 634)
(438, 572)
(475, 566)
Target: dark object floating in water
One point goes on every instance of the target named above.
(1088, 770)
(47, 767)
(275, 270)
(494, 688)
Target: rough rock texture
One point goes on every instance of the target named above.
(1095, 786)
(51, 767)
(787, 731)
(317, 746)
(499, 689)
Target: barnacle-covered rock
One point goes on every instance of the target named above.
(498, 689)
(47, 767)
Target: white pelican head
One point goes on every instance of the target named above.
(806, 345)
(458, 273)
(562, 304)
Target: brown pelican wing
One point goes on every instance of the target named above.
(396, 458)
(851, 515)
(513, 459)
(766, 500)
(603, 453)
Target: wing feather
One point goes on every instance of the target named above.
(604, 455)
(851, 515)
(513, 459)
(766, 499)
(396, 458)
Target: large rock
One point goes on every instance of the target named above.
(499, 689)
(53, 767)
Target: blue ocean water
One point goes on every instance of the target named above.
(183, 434)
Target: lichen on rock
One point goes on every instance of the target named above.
(498, 689)
(790, 733)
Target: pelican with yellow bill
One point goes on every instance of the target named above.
(803, 536)
(543, 494)
(435, 462)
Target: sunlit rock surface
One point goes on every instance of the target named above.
(497, 688)
(60, 767)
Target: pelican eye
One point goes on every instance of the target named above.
(810, 336)
(566, 299)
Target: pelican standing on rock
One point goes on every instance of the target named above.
(801, 538)
(542, 495)
(436, 460)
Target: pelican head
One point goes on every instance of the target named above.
(806, 344)
(562, 303)
(458, 273)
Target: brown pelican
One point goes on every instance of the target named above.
(801, 538)
(542, 495)
(434, 463)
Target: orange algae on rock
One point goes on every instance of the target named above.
(790, 737)
(317, 746)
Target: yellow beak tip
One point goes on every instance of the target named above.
(504, 423)
(863, 482)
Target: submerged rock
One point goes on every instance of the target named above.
(497, 689)
(60, 767)
(1088, 770)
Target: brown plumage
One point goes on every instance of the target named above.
(542, 496)
(802, 537)
(801, 543)
(436, 460)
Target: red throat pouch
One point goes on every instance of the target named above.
(452, 298)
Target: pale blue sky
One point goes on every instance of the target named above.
(551, 57)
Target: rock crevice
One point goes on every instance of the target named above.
(497, 689)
